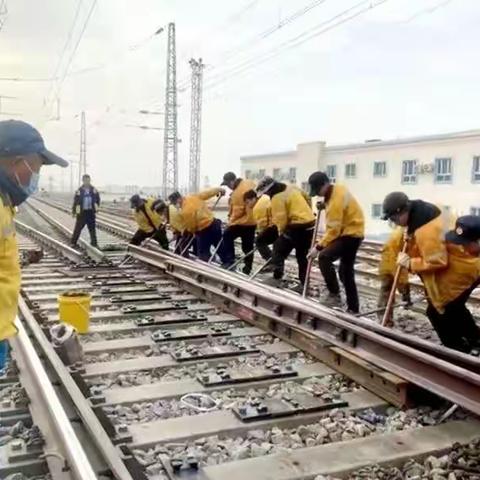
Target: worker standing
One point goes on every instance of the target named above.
(267, 232)
(199, 220)
(387, 268)
(293, 216)
(448, 272)
(240, 221)
(22, 155)
(344, 232)
(86, 202)
(150, 221)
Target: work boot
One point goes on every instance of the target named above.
(246, 270)
(331, 300)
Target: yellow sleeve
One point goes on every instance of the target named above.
(279, 212)
(206, 194)
(261, 214)
(334, 218)
(307, 198)
(433, 254)
(237, 207)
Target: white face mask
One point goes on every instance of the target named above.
(32, 186)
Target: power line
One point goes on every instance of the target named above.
(306, 36)
(428, 10)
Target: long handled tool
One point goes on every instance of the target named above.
(215, 251)
(259, 269)
(320, 207)
(391, 298)
(241, 259)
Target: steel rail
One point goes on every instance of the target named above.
(94, 253)
(282, 315)
(49, 242)
(63, 451)
(97, 433)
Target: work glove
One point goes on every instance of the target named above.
(321, 206)
(403, 260)
(221, 192)
(313, 253)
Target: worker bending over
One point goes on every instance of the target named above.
(448, 272)
(173, 218)
(240, 221)
(387, 269)
(294, 219)
(344, 232)
(199, 220)
(22, 155)
(85, 206)
(151, 223)
(267, 232)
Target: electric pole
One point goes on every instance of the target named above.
(196, 124)
(170, 140)
(82, 163)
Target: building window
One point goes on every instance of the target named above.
(276, 173)
(376, 210)
(443, 170)
(380, 169)
(476, 169)
(261, 173)
(332, 173)
(475, 211)
(306, 187)
(350, 170)
(248, 174)
(292, 175)
(409, 171)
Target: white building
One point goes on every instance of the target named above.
(443, 169)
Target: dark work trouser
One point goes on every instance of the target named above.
(86, 217)
(183, 241)
(264, 240)
(159, 235)
(456, 326)
(210, 237)
(298, 238)
(247, 236)
(345, 249)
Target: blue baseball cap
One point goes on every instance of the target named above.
(20, 138)
(467, 229)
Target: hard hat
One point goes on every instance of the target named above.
(394, 203)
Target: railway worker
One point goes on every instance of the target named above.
(86, 202)
(448, 272)
(183, 239)
(387, 268)
(240, 221)
(267, 232)
(22, 155)
(198, 220)
(345, 229)
(151, 223)
(293, 216)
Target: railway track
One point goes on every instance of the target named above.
(190, 372)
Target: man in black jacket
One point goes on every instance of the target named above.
(85, 205)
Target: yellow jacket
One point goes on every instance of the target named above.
(195, 212)
(388, 258)
(344, 216)
(262, 213)
(175, 219)
(147, 218)
(291, 207)
(9, 271)
(238, 213)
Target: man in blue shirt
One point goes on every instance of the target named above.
(85, 205)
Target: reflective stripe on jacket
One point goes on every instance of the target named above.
(262, 213)
(238, 213)
(195, 212)
(147, 218)
(9, 271)
(344, 216)
(290, 207)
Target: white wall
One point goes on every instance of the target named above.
(460, 195)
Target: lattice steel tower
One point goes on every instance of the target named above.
(82, 161)
(196, 124)
(170, 140)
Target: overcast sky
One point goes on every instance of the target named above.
(403, 68)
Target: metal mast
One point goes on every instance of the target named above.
(82, 163)
(170, 140)
(196, 124)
